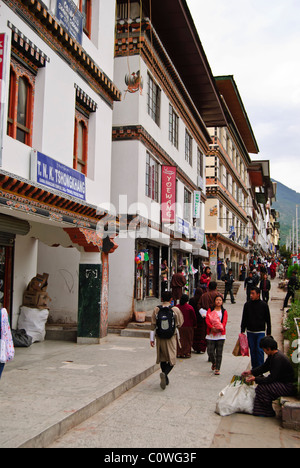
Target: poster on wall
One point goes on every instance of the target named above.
(168, 194)
(3, 53)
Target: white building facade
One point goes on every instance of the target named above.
(158, 128)
(55, 168)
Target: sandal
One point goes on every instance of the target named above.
(217, 372)
(213, 367)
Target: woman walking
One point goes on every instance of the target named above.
(216, 321)
(184, 348)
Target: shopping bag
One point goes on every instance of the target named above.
(237, 351)
(238, 397)
(244, 347)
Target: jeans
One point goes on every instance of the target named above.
(257, 354)
(1, 368)
(229, 290)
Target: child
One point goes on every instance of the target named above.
(216, 321)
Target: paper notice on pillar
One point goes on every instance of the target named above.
(168, 194)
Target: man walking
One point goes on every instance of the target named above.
(257, 321)
(166, 346)
(291, 289)
(229, 280)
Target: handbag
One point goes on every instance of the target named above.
(244, 347)
(237, 349)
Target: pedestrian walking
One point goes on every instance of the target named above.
(7, 350)
(229, 280)
(177, 283)
(291, 289)
(257, 321)
(273, 268)
(265, 287)
(164, 324)
(216, 321)
(184, 345)
(278, 383)
(199, 342)
(250, 281)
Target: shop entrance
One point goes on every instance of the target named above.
(6, 262)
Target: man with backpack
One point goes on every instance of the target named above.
(164, 324)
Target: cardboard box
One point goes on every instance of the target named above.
(36, 300)
(35, 295)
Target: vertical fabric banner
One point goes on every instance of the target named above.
(3, 45)
(168, 194)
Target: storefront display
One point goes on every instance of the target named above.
(147, 272)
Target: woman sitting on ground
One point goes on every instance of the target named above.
(278, 383)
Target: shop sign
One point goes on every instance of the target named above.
(168, 194)
(183, 227)
(53, 174)
(197, 205)
(3, 53)
(70, 18)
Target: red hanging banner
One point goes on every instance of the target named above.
(168, 194)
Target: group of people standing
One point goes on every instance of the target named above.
(202, 322)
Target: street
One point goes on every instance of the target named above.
(184, 415)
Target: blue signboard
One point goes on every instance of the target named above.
(70, 18)
(46, 171)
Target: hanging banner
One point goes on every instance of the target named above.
(168, 194)
(197, 205)
(3, 53)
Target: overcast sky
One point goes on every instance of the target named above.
(258, 42)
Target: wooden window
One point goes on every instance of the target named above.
(153, 100)
(188, 148)
(187, 204)
(20, 109)
(80, 153)
(85, 6)
(152, 178)
(173, 126)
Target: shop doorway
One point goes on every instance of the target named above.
(6, 267)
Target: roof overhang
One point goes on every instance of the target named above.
(259, 173)
(228, 89)
(175, 27)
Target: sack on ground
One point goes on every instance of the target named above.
(34, 322)
(21, 339)
(238, 397)
(165, 323)
(244, 347)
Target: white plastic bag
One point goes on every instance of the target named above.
(236, 398)
(34, 322)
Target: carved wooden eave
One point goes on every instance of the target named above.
(56, 37)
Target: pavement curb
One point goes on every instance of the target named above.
(53, 432)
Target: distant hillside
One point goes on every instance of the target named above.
(287, 199)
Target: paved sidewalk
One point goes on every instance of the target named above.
(52, 387)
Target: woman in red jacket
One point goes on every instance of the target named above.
(216, 321)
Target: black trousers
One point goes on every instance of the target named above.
(229, 290)
(166, 367)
